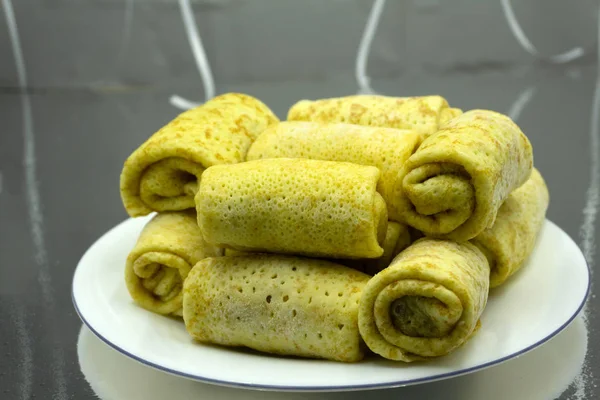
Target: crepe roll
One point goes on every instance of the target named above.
(427, 302)
(276, 304)
(296, 206)
(454, 184)
(423, 114)
(510, 241)
(397, 238)
(384, 148)
(167, 249)
(163, 173)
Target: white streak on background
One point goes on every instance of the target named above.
(25, 348)
(191, 30)
(520, 103)
(126, 33)
(587, 231)
(34, 204)
(181, 103)
(588, 228)
(524, 41)
(362, 56)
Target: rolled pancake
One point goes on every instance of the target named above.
(384, 148)
(454, 184)
(276, 304)
(427, 302)
(510, 241)
(167, 249)
(423, 114)
(397, 238)
(163, 173)
(295, 206)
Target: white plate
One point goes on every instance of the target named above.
(535, 305)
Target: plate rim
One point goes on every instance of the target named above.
(324, 388)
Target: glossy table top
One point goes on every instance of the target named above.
(96, 81)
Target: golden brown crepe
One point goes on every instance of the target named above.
(384, 148)
(424, 114)
(167, 249)
(454, 184)
(427, 302)
(163, 173)
(295, 206)
(511, 239)
(276, 304)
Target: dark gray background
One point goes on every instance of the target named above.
(100, 73)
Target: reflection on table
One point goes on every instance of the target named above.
(543, 373)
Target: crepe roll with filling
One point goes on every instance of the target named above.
(167, 249)
(510, 241)
(427, 302)
(384, 148)
(454, 184)
(163, 173)
(425, 114)
(276, 304)
(297, 206)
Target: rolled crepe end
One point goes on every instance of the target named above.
(162, 174)
(155, 281)
(150, 183)
(430, 316)
(425, 185)
(426, 303)
(459, 177)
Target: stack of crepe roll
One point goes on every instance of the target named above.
(361, 224)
